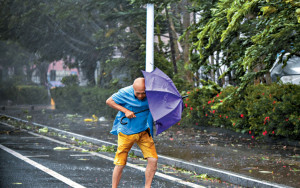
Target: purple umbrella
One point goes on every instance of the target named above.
(165, 102)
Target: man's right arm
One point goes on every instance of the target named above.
(129, 114)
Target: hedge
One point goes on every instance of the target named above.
(24, 94)
(262, 110)
(84, 100)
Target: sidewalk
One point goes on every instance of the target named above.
(214, 151)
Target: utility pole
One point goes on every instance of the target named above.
(150, 38)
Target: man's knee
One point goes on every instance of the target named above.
(119, 166)
(152, 162)
(152, 159)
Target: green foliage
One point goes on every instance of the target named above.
(274, 108)
(104, 148)
(71, 80)
(118, 72)
(81, 33)
(263, 110)
(7, 91)
(248, 34)
(23, 94)
(67, 98)
(198, 104)
(180, 83)
(84, 100)
(32, 95)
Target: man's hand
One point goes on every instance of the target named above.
(129, 114)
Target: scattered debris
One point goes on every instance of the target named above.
(102, 119)
(61, 148)
(43, 130)
(266, 172)
(94, 119)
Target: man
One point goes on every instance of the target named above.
(127, 101)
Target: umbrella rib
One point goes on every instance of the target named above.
(158, 74)
(169, 80)
(164, 92)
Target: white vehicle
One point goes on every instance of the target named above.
(287, 74)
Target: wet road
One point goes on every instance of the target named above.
(270, 160)
(27, 160)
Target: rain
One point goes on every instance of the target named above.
(237, 89)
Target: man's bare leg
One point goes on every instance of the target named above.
(150, 171)
(117, 174)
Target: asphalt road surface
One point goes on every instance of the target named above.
(29, 160)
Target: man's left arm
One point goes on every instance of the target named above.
(129, 114)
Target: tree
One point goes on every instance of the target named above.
(81, 33)
(12, 58)
(247, 33)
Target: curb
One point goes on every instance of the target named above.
(228, 176)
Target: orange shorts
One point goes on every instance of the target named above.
(125, 142)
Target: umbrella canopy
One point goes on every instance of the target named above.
(165, 102)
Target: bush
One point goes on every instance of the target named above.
(24, 94)
(84, 100)
(8, 91)
(274, 110)
(71, 80)
(198, 107)
(67, 98)
(32, 95)
(260, 111)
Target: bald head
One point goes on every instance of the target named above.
(139, 84)
(139, 88)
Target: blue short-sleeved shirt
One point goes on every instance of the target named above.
(126, 98)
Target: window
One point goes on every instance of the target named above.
(52, 75)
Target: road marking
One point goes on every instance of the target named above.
(37, 156)
(81, 155)
(42, 168)
(170, 178)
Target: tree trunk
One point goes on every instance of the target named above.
(268, 78)
(186, 45)
(89, 72)
(5, 75)
(230, 81)
(42, 69)
(175, 38)
(173, 59)
(186, 24)
(29, 71)
(257, 68)
(160, 43)
(219, 81)
(234, 79)
(197, 78)
(212, 71)
(198, 73)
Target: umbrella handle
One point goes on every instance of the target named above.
(121, 121)
(124, 123)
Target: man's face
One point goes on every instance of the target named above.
(140, 94)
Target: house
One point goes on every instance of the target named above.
(56, 71)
